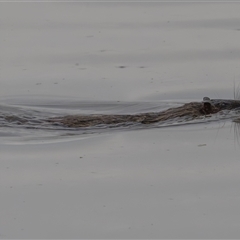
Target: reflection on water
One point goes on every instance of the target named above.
(25, 120)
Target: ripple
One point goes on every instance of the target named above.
(26, 121)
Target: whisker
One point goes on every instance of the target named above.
(236, 89)
(236, 127)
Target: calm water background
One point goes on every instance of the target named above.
(175, 182)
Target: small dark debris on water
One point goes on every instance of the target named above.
(122, 66)
(202, 145)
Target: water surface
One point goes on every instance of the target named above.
(133, 182)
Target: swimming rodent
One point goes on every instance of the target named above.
(186, 112)
(189, 111)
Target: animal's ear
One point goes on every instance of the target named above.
(206, 99)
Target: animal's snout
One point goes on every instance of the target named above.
(207, 106)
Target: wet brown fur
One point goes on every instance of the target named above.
(190, 110)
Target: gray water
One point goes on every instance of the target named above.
(177, 180)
